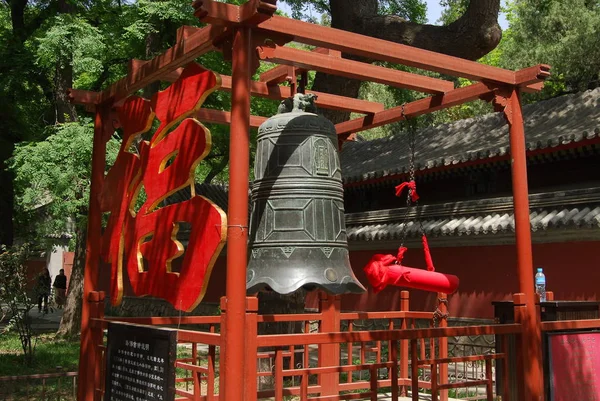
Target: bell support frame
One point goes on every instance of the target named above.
(240, 33)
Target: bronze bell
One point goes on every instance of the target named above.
(297, 228)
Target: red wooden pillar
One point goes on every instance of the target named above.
(237, 216)
(329, 354)
(404, 307)
(251, 349)
(519, 314)
(87, 360)
(531, 338)
(443, 343)
(96, 301)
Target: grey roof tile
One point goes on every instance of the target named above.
(552, 210)
(562, 120)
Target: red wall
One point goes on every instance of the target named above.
(487, 273)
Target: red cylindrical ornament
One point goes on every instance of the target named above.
(382, 271)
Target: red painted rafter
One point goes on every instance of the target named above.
(383, 50)
(192, 44)
(260, 89)
(251, 12)
(352, 69)
(324, 100)
(529, 77)
(87, 98)
(224, 117)
(416, 108)
(360, 45)
(280, 73)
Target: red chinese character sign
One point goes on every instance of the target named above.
(143, 242)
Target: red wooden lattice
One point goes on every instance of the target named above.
(144, 243)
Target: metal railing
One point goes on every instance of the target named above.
(60, 386)
(333, 357)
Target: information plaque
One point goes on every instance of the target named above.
(140, 363)
(574, 362)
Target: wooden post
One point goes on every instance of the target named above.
(237, 230)
(394, 371)
(414, 367)
(443, 343)
(329, 354)
(87, 354)
(223, 350)
(434, 381)
(532, 335)
(251, 349)
(519, 313)
(96, 301)
(404, 307)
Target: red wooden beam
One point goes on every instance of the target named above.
(416, 108)
(224, 117)
(324, 100)
(361, 45)
(251, 12)
(194, 43)
(384, 50)
(532, 75)
(237, 218)
(260, 89)
(280, 73)
(87, 354)
(78, 96)
(531, 88)
(352, 69)
(532, 337)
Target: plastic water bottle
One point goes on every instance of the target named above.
(540, 284)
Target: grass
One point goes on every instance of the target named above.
(49, 354)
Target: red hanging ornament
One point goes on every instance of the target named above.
(384, 270)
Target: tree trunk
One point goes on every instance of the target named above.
(63, 80)
(152, 48)
(70, 325)
(472, 36)
(6, 198)
(216, 169)
(17, 16)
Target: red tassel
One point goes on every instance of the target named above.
(400, 255)
(428, 258)
(377, 270)
(412, 187)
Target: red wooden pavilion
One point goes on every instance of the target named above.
(247, 35)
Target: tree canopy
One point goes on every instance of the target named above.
(49, 46)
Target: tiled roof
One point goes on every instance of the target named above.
(572, 209)
(562, 120)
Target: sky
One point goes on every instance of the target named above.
(434, 11)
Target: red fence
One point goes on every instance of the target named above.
(49, 386)
(332, 358)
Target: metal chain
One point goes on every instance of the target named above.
(412, 142)
(438, 314)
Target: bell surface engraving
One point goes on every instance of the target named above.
(297, 228)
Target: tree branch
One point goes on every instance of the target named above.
(472, 36)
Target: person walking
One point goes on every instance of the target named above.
(43, 290)
(60, 288)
